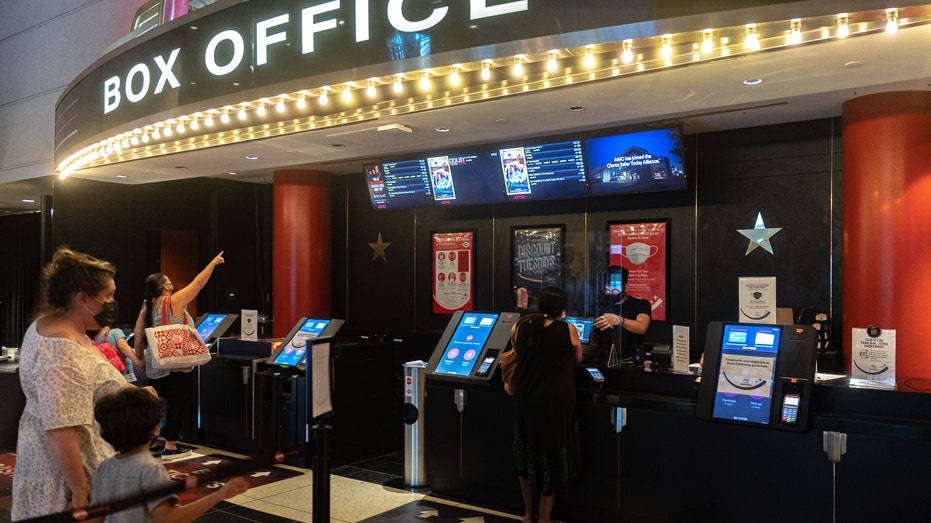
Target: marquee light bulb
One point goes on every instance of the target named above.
(454, 76)
(486, 71)
(370, 90)
(225, 117)
(589, 60)
(892, 21)
(707, 41)
(627, 55)
(398, 87)
(843, 29)
(551, 62)
(518, 66)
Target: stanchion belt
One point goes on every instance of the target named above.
(233, 469)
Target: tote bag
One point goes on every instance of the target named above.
(508, 364)
(175, 346)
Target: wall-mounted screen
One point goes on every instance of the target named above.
(398, 185)
(746, 373)
(465, 179)
(464, 347)
(212, 325)
(543, 171)
(636, 162)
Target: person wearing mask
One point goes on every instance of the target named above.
(63, 374)
(175, 387)
(546, 432)
(622, 316)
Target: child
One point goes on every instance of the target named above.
(129, 421)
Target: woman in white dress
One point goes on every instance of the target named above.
(63, 374)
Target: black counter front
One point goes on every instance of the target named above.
(666, 464)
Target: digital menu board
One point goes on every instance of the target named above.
(636, 162)
(397, 185)
(544, 171)
(462, 351)
(465, 179)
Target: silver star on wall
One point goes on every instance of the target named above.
(379, 248)
(759, 235)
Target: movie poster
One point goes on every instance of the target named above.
(536, 253)
(641, 248)
(452, 272)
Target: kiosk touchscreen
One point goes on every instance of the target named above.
(293, 348)
(758, 374)
(470, 345)
(214, 325)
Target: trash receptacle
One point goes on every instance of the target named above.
(415, 473)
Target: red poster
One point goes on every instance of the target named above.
(452, 272)
(641, 248)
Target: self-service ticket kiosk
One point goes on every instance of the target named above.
(759, 375)
(282, 401)
(212, 326)
(469, 349)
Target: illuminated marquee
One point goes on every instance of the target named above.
(135, 85)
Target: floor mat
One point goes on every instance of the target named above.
(206, 466)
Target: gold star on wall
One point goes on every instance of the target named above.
(759, 235)
(379, 248)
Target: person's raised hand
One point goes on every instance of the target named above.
(218, 259)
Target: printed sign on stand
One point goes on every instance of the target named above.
(680, 348)
(872, 357)
(757, 300)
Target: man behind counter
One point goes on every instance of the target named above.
(628, 327)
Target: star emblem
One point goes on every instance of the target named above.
(379, 248)
(759, 235)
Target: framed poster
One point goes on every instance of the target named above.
(536, 254)
(641, 247)
(453, 262)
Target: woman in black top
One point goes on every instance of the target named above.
(546, 443)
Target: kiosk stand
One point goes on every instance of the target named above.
(758, 375)
(415, 472)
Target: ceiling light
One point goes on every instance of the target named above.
(122, 176)
(794, 35)
(589, 60)
(666, 50)
(486, 71)
(752, 41)
(551, 62)
(442, 129)
(753, 81)
(892, 21)
(842, 28)
(627, 55)
(29, 201)
(252, 157)
(707, 41)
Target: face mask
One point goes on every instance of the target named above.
(108, 315)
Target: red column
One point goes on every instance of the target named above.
(301, 262)
(887, 222)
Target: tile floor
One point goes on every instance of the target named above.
(369, 491)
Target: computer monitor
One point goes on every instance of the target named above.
(212, 325)
(292, 351)
(746, 373)
(583, 325)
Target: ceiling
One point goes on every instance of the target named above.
(798, 83)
